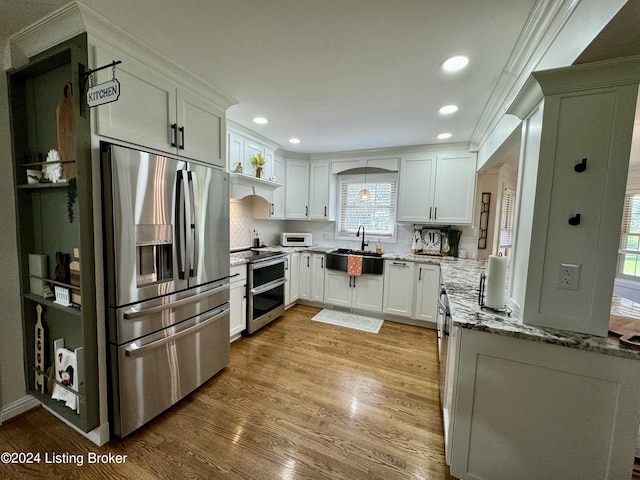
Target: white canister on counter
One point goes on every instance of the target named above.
(496, 281)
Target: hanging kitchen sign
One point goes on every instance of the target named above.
(105, 92)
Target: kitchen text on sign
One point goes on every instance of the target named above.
(103, 93)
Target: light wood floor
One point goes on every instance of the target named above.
(299, 400)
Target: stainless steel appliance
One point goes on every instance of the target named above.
(296, 239)
(443, 322)
(166, 226)
(265, 287)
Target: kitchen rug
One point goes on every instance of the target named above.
(349, 320)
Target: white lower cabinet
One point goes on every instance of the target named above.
(311, 277)
(363, 292)
(238, 300)
(398, 288)
(427, 290)
(530, 410)
(292, 275)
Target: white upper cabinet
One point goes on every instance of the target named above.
(200, 127)
(277, 207)
(437, 189)
(415, 192)
(308, 192)
(454, 189)
(319, 191)
(297, 191)
(154, 111)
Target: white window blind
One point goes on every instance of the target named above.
(629, 250)
(377, 214)
(506, 218)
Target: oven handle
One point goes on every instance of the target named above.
(135, 351)
(267, 286)
(267, 263)
(178, 303)
(443, 306)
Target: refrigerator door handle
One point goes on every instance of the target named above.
(178, 303)
(134, 351)
(194, 249)
(182, 217)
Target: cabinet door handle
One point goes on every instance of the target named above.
(350, 278)
(272, 209)
(306, 211)
(435, 213)
(430, 210)
(181, 147)
(420, 275)
(174, 135)
(354, 282)
(286, 264)
(325, 211)
(321, 262)
(400, 264)
(308, 258)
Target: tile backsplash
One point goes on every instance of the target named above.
(240, 224)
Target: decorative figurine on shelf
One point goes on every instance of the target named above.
(52, 168)
(258, 162)
(237, 167)
(62, 268)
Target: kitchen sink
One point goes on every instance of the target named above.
(372, 262)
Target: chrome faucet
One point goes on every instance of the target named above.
(363, 242)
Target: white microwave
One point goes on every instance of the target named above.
(296, 239)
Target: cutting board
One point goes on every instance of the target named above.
(627, 329)
(66, 134)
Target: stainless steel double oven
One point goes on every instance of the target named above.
(265, 287)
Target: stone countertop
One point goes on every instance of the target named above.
(462, 280)
(237, 260)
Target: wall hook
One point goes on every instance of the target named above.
(575, 220)
(581, 167)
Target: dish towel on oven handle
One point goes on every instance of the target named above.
(66, 366)
(354, 265)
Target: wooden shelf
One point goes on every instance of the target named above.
(37, 186)
(38, 164)
(55, 282)
(49, 303)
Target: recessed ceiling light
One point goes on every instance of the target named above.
(453, 64)
(447, 109)
(260, 120)
(294, 140)
(444, 136)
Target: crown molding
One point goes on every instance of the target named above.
(76, 18)
(60, 26)
(547, 18)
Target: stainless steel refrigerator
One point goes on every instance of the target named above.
(166, 224)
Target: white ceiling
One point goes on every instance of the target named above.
(338, 74)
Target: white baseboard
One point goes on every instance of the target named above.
(17, 407)
(99, 435)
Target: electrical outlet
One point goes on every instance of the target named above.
(569, 276)
(408, 241)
